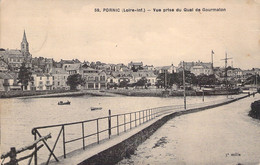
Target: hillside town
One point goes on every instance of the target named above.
(19, 70)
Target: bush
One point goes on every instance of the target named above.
(255, 110)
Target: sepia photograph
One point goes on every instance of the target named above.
(130, 82)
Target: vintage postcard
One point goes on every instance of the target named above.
(129, 82)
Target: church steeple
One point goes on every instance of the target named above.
(24, 36)
(24, 44)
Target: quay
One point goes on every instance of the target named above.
(221, 135)
(121, 144)
(74, 93)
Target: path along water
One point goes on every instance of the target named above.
(222, 135)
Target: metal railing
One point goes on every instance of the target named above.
(12, 154)
(111, 124)
(104, 127)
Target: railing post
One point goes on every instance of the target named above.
(135, 119)
(149, 112)
(130, 120)
(124, 123)
(13, 160)
(83, 136)
(97, 132)
(117, 124)
(139, 117)
(143, 116)
(109, 123)
(146, 115)
(64, 147)
(35, 154)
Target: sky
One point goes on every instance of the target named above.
(71, 29)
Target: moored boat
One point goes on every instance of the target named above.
(95, 108)
(64, 103)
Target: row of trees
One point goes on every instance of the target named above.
(168, 79)
(124, 83)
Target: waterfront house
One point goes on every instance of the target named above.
(59, 77)
(149, 75)
(42, 81)
(123, 76)
(197, 68)
(8, 82)
(94, 79)
(201, 69)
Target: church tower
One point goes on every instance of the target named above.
(24, 45)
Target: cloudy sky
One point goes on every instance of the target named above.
(69, 29)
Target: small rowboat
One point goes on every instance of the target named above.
(64, 103)
(95, 108)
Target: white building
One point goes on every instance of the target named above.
(59, 77)
(42, 81)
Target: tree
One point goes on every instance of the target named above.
(142, 82)
(123, 83)
(74, 80)
(253, 79)
(161, 80)
(206, 79)
(24, 76)
(189, 78)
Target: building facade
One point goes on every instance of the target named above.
(59, 77)
(42, 81)
(94, 79)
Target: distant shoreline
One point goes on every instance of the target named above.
(30, 94)
(103, 93)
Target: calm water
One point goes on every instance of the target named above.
(19, 116)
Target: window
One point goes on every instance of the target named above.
(102, 78)
(41, 78)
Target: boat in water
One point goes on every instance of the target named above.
(64, 103)
(95, 108)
